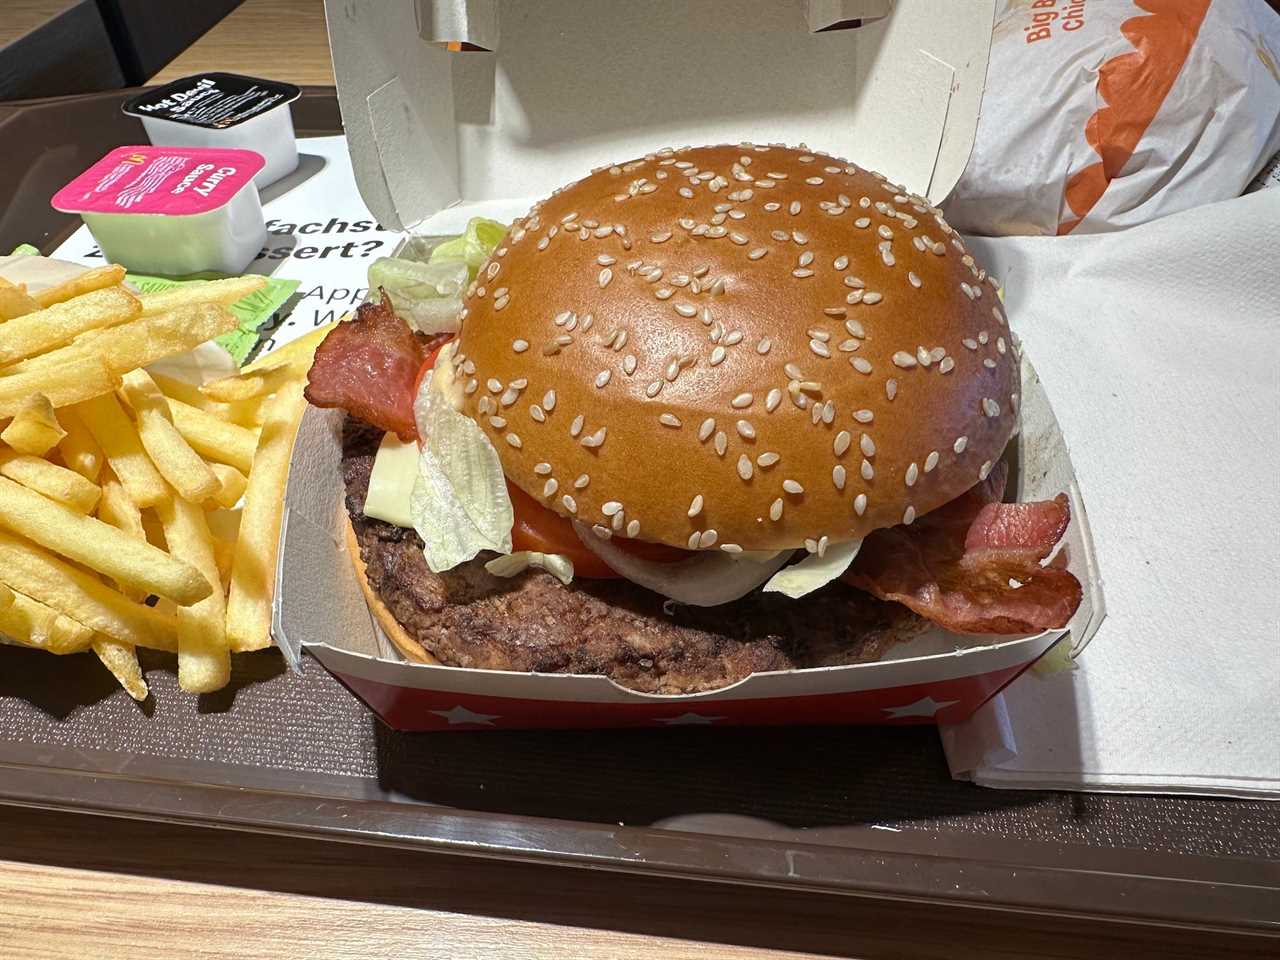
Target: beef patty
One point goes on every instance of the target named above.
(467, 617)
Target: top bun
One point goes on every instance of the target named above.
(738, 347)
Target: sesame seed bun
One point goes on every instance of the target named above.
(738, 347)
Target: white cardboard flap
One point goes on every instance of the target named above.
(473, 22)
(570, 90)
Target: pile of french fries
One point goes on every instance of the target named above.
(137, 510)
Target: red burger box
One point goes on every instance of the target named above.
(459, 109)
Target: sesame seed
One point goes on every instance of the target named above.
(730, 548)
(806, 258)
(775, 509)
(814, 181)
(960, 444)
(733, 339)
(868, 471)
(471, 386)
(989, 363)
(686, 193)
(767, 459)
(911, 276)
(995, 312)
(909, 515)
(828, 412)
(820, 348)
(740, 239)
(924, 356)
(800, 238)
(903, 359)
(860, 504)
(542, 468)
(990, 407)
(871, 297)
(605, 260)
(947, 365)
(867, 445)
(494, 385)
(596, 439)
(695, 507)
(519, 346)
(745, 470)
(581, 482)
(1000, 345)
(838, 476)
(514, 440)
(537, 413)
(707, 539)
(792, 371)
(661, 237)
(721, 442)
(610, 507)
(686, 309)
(841, 443)
(707, 428)
(913, 474)
(763, 346)
(984, 470)
(570, 504)
(801, 274)
(855, 329)
(772, 400)
(629, 364)
(543, 243)
(931, 461)
(498, 423)
(717, 355)
(746, 430)
(861, 364)
(862, 222)
(633, 529)
(970, 343)
(550, 487)
(693, 540)
(653, 389)
(791, 486)
(549, 401)
(884, 232)
(742, 401)
(669, 420)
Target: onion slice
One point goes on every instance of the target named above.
(707, 579)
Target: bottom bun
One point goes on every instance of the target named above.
(409, 648)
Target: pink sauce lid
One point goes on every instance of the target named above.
(175, 181)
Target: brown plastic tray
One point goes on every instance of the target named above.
(863, 811)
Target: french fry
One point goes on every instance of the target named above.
(115, 433)
(250, 385)
(298, 353)
(78, 449)
(117, 509)
(253, 569)
(111, 275)
(224, 292)
(61, 323)
(57, 483)
(225, 527)
(122, 660)
(204, 662)
(233, 484)
(35, 428)
(80, 378)
(213, 438)
(99, 546)
(6, 598)
(172, 456)
(246, 413)
(30, 623)
(72, 592)
(129, 346)
(14, 302)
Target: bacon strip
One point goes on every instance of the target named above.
(953, 565)
(368, 366)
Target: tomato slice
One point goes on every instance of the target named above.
(537, 528)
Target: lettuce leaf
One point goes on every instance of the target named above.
(814, 571)
(556, 564)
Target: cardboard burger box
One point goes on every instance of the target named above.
(439, 133)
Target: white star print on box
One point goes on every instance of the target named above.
(461, 714)
(921, 708)
(689, 720)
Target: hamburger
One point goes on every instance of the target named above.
(706, 412)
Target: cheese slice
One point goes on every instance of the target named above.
(395, 469)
